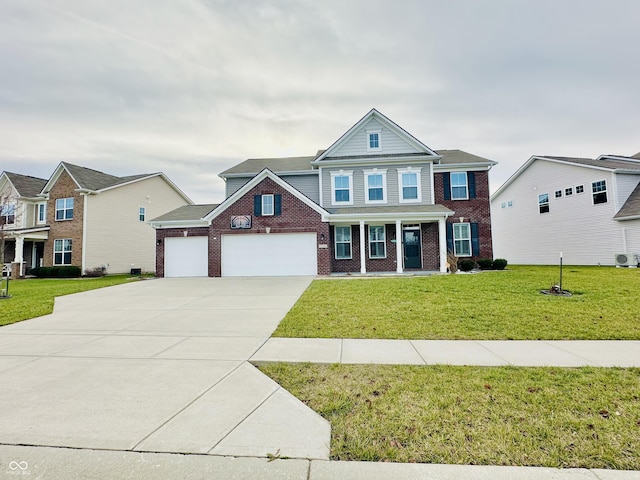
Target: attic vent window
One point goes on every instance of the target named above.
(374, 140)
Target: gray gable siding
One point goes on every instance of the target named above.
(359, 188)
(306, 184)
(357, 145)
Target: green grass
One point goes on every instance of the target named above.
(553, 417)
(488, 305)
(34, 297)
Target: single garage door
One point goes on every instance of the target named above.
(275, 254)
(186, 257)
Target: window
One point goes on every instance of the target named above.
(342, 187)
(343, 242)
(41, 213)
(503, 205)
(8, 213)
(543, 203)
(376, 186)
(377, 242)
(409, 181)
(558, 194)
(510, 204)
(579, 189)
(374, 140)
(599, 190)
(62, 251)
(267, 205)
(462, 239)
(459, 190)
(64, 209)
(568, 192)
(142, 214)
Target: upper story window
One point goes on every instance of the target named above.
(558, 194)
(41, 213)
(267, 205)
(409, 182)
(342, 242)
(599, 190)
(543, 202)
(376, 186)
(142, 214)
(64, 208)
(459, 187)
(8, 214)
(374, 140)
(579, 189)
(568, 192)
(342, 188)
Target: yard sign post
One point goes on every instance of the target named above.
(560, 272)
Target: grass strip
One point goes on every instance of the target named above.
(551, 417)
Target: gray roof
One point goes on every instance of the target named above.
(95, 180)
(631, 207)
(25, 185)
(187, 212)
(390, 209)
(618, 164)
(450, 157)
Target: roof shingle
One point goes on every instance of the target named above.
(25, 185)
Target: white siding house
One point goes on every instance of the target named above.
(587, 209)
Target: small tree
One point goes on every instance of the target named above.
(8, 219)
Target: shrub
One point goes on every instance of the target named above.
(466, 265)
(499, 264)
(485, 263)
(96, 272)
(56, 272)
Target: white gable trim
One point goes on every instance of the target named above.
(266, 173)
(406, 136)
(56, 175)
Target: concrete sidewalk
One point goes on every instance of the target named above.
(558, 353)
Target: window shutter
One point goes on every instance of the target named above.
(257, 205)
(446, 180)
(475, 240)
(471, 178)
(277, 204)
(450, 238)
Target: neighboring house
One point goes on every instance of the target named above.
(377, 200)
(89, 219)
(587, 209)
(23, 226)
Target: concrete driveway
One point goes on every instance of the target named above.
(157, 366)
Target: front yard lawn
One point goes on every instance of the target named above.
(494, 305)
(34, 297)
(553, 417)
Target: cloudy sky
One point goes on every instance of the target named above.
(191, 87)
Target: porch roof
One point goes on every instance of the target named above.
(390, 213)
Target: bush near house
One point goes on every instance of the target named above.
(466, 265)
(485, 263)
(56, 272)
(499, 264)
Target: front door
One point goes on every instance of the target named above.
(412, 250)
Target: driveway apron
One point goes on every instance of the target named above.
(157, 366)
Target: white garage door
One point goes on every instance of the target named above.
(274, 254)
(186, 257)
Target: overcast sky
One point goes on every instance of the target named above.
(191, 87)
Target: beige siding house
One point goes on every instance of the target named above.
(571, 205)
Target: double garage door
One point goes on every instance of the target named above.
(244, 255)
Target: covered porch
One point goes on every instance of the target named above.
(24, 250)
(394, 239)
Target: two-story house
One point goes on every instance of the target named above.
(588, 209)
(377, 200)
(84, 218)
(23, 225)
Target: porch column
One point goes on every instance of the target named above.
(442, 240)
(363, 249)
(398, 246)
(19, 258)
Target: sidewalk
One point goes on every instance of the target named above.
(522, 353)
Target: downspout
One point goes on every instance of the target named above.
(84, 231)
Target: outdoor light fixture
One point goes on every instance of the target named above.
(158, 242)
(322, 237)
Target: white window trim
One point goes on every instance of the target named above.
(341, 173)
(7, 210)
(44, 211)
(417, 171)
(335, 242)
(367, 137)
(375, 171)
(273, 205)
(558, 194)
(62, 241)
(383, 241)
(547, 203)
(455, 250)
(451, 186)
(142, 212)
(56, 209)
(605, 191)
(576, 189)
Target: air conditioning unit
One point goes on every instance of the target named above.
(626, 260)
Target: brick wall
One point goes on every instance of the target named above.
(430, 246)
(64, 188)
(477, 210)
(174, 232)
